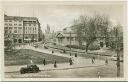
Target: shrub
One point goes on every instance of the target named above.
(76, 47)
(93, 47)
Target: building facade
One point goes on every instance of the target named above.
(66, 39)
(21, 29)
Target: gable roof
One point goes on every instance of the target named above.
(60, 34)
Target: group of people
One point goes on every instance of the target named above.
(55, 63)
(44, 62)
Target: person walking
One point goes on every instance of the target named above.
(98, 73)
(93, 61)
(52, 51)
(106, 62)
(75, 54)
(70, 61)
(44, 61)
(94, 58)
(55, 64)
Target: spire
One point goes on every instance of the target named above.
(47, 29)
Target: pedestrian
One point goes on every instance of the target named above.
(70, 61)
(55, 64)
(70, 54)
(52, 51)
(44, 61)
(106, 61)
(75, 54)
(93, 61)
(94, 58)
(98, 74)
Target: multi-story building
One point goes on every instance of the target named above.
(21, 29)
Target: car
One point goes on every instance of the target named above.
(29, 69)
(35, 46)
(114, 58)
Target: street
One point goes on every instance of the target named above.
(82, 67)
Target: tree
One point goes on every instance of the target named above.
(117, 29)
(8, 44)
(91, 28)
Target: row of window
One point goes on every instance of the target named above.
(12, 27)
(29, 28)
(30, 24)
(17, 27)
(14, 24)
(13, 20)
(21, 24)
(29, 32)
(30, 21)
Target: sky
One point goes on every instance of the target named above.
(61, 16)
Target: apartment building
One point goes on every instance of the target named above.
(21, 29)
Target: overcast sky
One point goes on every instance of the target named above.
(61, 16)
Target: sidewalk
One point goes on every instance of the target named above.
(60, 66)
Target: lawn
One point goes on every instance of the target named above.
(23, 57)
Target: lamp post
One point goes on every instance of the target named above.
(70, 43)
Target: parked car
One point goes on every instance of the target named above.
(114, 58)
(29, 69)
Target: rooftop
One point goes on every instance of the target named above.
(19, 18)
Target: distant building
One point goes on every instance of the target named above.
(49, 35)
(65, 38)
(21, 29)
(69, 37)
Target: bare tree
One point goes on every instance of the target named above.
(91, 28)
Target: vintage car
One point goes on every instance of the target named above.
(29, 69)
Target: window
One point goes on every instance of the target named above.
(29, 24)
(15, 27)
(34, 21)
(6, 24)
(10, 27)
(6, 27)
(15, 40)
(20, 27)
(10, 31)
(6, 20)
(34, 24)
(6, 31)
(20, 40)
(15, 31)
(15, 20)
(15, 24)
(10, 24)
(20, 24)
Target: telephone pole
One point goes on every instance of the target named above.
(118, 55)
